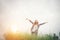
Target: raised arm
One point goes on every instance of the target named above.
(43, 23)
(29, 20)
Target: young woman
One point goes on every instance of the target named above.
(35, 26)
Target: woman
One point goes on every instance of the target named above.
(35, 26)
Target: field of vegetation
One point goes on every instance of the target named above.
(19, 36)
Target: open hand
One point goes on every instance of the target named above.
(27, 19)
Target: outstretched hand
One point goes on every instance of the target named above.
(43, 23)
(27, 19)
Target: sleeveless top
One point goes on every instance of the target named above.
(35, 27)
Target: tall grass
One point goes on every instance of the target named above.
(29, 37)
(34, 37)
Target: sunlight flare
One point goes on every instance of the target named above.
(14, 28)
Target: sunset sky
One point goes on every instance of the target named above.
(15, 12)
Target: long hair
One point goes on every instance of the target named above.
(36, 22)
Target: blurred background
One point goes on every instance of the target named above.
(15, 12)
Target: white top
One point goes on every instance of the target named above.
(35, 28)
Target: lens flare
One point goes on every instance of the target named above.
(14, 28)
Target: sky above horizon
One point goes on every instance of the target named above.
(15, 12)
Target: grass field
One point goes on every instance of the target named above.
(19, 36)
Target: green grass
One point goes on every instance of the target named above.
(28, 37)
(33, 37)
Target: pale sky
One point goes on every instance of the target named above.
(15, 12)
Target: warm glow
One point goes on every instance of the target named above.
(14, 28)
(16, 11)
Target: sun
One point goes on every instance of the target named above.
(14, 28)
